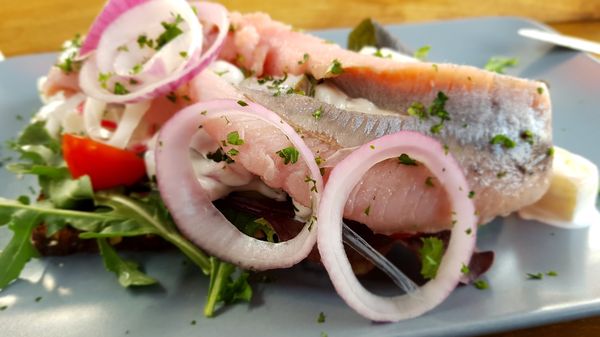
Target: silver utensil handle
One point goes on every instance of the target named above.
(561, 40)
(361, 246)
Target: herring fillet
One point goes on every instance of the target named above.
(481, 106)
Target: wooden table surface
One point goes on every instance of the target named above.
(30, 26)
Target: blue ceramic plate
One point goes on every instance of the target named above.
(76, 297)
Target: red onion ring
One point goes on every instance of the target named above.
(111, 11)
(191, 206)
(176, 63)
(341, 182)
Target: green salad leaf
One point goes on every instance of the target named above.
(362, 35)
(126, 271)
(19, 250)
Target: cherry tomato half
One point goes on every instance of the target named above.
(107, 166)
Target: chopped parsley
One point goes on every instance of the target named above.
(69, 65)
(336, 68)
(103, 79)
(465, 269)
(233, 152)
(143, 41)
(536, 276)
(136, 69)
(527, 136)
(540, 90)
(431, 255)
(183, 54)
(39, 298)
(233, 138)
(407, 160)
(421, 53)
(310, 180)
(305, 58)
(438, 109)
(501, 174)
(417, 109)
(552, 273)
(4, 307)
(289, 155)
(367, 210)
(550, 152)
(471, 194)
(120, 89)
(170, 33)
(429, 182)
(503, 140)
(499, 64)
(317, 113)
(242, 103)
(221, 73)
(469, 231)
(123, 48)
(321, 317)
(481, 284)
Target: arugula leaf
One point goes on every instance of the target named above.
(431, 256)
(126, 271)
(225, 288)
(19, 250)
(68, 193)
(115, 215)
(362, 35)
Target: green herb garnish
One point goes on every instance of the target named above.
(336, 68)
(170, 33)
(431, 255)
(321, 317)
(417, 109)
(421, 53)
(407, 160)
(120, 89)
(317, 113)
(536, 276)
(289, 155)
(481, 284)
(527, 136)
(233, 138)
(305, 58)
(503, 140)
(499, 64)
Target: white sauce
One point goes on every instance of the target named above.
(227, 71)
(330, 94)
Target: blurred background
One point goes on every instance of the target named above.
(29, 26)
